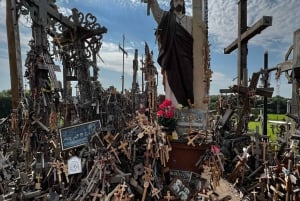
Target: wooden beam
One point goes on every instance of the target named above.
(14, 50)
(199, 45)
(259, 26)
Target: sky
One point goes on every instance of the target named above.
(129, 18)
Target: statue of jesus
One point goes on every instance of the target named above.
(175, 44)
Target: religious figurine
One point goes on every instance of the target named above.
(175, 43)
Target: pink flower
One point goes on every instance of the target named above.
(168, 102)
(160, 113)
(169, 114)
(162, 106)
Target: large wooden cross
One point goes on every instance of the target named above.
(245, 33)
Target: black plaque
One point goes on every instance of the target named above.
(78, 135)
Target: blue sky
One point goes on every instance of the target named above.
(129, 17)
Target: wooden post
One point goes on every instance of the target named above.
(199, 52)
(242, 46)
(266, 82)
(14, 50)
(296, 75)
(288, 184)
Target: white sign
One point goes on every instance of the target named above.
(74, 165)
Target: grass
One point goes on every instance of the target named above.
(272, 129)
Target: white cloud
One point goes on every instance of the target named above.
(220, 81)
(223, 21)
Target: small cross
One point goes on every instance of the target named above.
(96, 194)
(123, 146)
(155, 192)
(169, 197)
(38, 184)
(191, 140)
(254, 194)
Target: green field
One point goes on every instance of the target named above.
(272, 128)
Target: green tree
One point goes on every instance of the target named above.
(5, 103)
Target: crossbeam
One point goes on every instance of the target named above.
(259, 26)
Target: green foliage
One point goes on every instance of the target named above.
(213, 105)
(271, 128)
(5, 93)
(275, 105)
(277, 117)
(5, 103)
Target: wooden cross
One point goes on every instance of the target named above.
(164, 154)
(45, 8)
(110, 139)
(52, 68)
(147, 179)
(265, 145)
(57, 165)
(245, 33)
(65, 170)
(191, 140)
(155, 191)
(38, 183)
(139, 136)
(37, 120)
(123, 147)
(169, 197)
(254, 194)
(96, 194)
(276, 192)
(121, 191)
(115, 152)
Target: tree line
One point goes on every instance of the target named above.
(276, 105)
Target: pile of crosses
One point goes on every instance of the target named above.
(127, 165)
(119, 166)
(265, 170)
(259, 168)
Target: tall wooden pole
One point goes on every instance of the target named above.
(124, 52)
(266, 84)
(242, 45)
(14, 50)
(199, 30)
(295, 109)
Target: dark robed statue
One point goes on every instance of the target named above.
(175, 43)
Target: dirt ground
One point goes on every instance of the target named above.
(225, 189)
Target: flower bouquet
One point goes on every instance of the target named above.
(166, 116)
